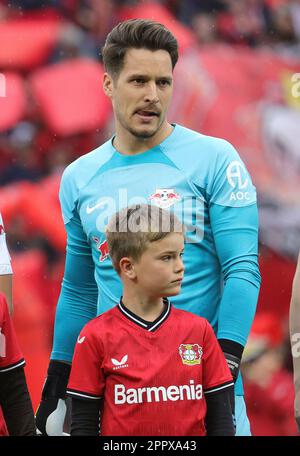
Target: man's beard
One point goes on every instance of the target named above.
(141, 134)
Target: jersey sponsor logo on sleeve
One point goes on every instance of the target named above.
(120, 364)
(150, 394)
(102, 247)
(80, 340)
(2, 345)
(165, 197)
(191, 354)
(237, 177)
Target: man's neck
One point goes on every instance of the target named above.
(146, 307)
(128, 144)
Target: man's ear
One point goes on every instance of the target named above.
(107, 85)
(127, 267)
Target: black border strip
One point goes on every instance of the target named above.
(10, 367)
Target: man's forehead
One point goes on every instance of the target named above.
(141, 60)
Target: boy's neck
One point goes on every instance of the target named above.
(146, 307)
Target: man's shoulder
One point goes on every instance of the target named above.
(86, 165)
(199, 146)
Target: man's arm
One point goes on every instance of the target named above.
(235, 232)
(76, 306)
(295, 338)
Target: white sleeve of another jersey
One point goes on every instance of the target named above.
(5, 264)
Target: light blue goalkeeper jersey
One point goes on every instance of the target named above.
(203, 180)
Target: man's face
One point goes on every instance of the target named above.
(142, 92)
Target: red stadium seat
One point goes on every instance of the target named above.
(12, 99)
(27, 43)
(70, 96)
(157, 12)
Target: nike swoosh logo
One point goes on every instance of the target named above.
(80, 340)
(89, 209)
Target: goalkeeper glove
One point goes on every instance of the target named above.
(50, 415)
(233, 355)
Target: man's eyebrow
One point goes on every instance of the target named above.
(145, 76)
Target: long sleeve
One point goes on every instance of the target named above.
(16, 404)
(77, 302)
(236, 238)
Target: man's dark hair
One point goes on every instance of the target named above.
(137, 34)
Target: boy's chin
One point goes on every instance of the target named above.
(173, 292)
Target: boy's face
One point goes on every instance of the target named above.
(159, 271)
(142, 92)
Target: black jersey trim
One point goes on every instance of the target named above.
(10, 367)
(82, 394)
(217, 388)
(150, 326)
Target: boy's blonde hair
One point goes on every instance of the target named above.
(131, 230)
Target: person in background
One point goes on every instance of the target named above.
(14, 396)
(5, 268)
(16, 413)
(295, 339)
(268, 385)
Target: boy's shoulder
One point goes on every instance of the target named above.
(190, 318)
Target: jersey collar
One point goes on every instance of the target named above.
(147, 325)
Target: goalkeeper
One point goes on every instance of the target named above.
(201, 178)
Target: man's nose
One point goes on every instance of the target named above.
(151, 93)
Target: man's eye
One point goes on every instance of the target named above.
(139, 81)
(163, 82)
(166, 258)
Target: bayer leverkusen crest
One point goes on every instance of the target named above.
(191, 354)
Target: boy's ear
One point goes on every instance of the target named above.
(127, 267)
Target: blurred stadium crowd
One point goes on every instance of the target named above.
(235, 81)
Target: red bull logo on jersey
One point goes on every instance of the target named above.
(165, 197)
(191, 354)
(102, 247)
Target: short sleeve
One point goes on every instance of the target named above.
(11, 356)
(87, 379)
(216, 373)
(230, 185)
